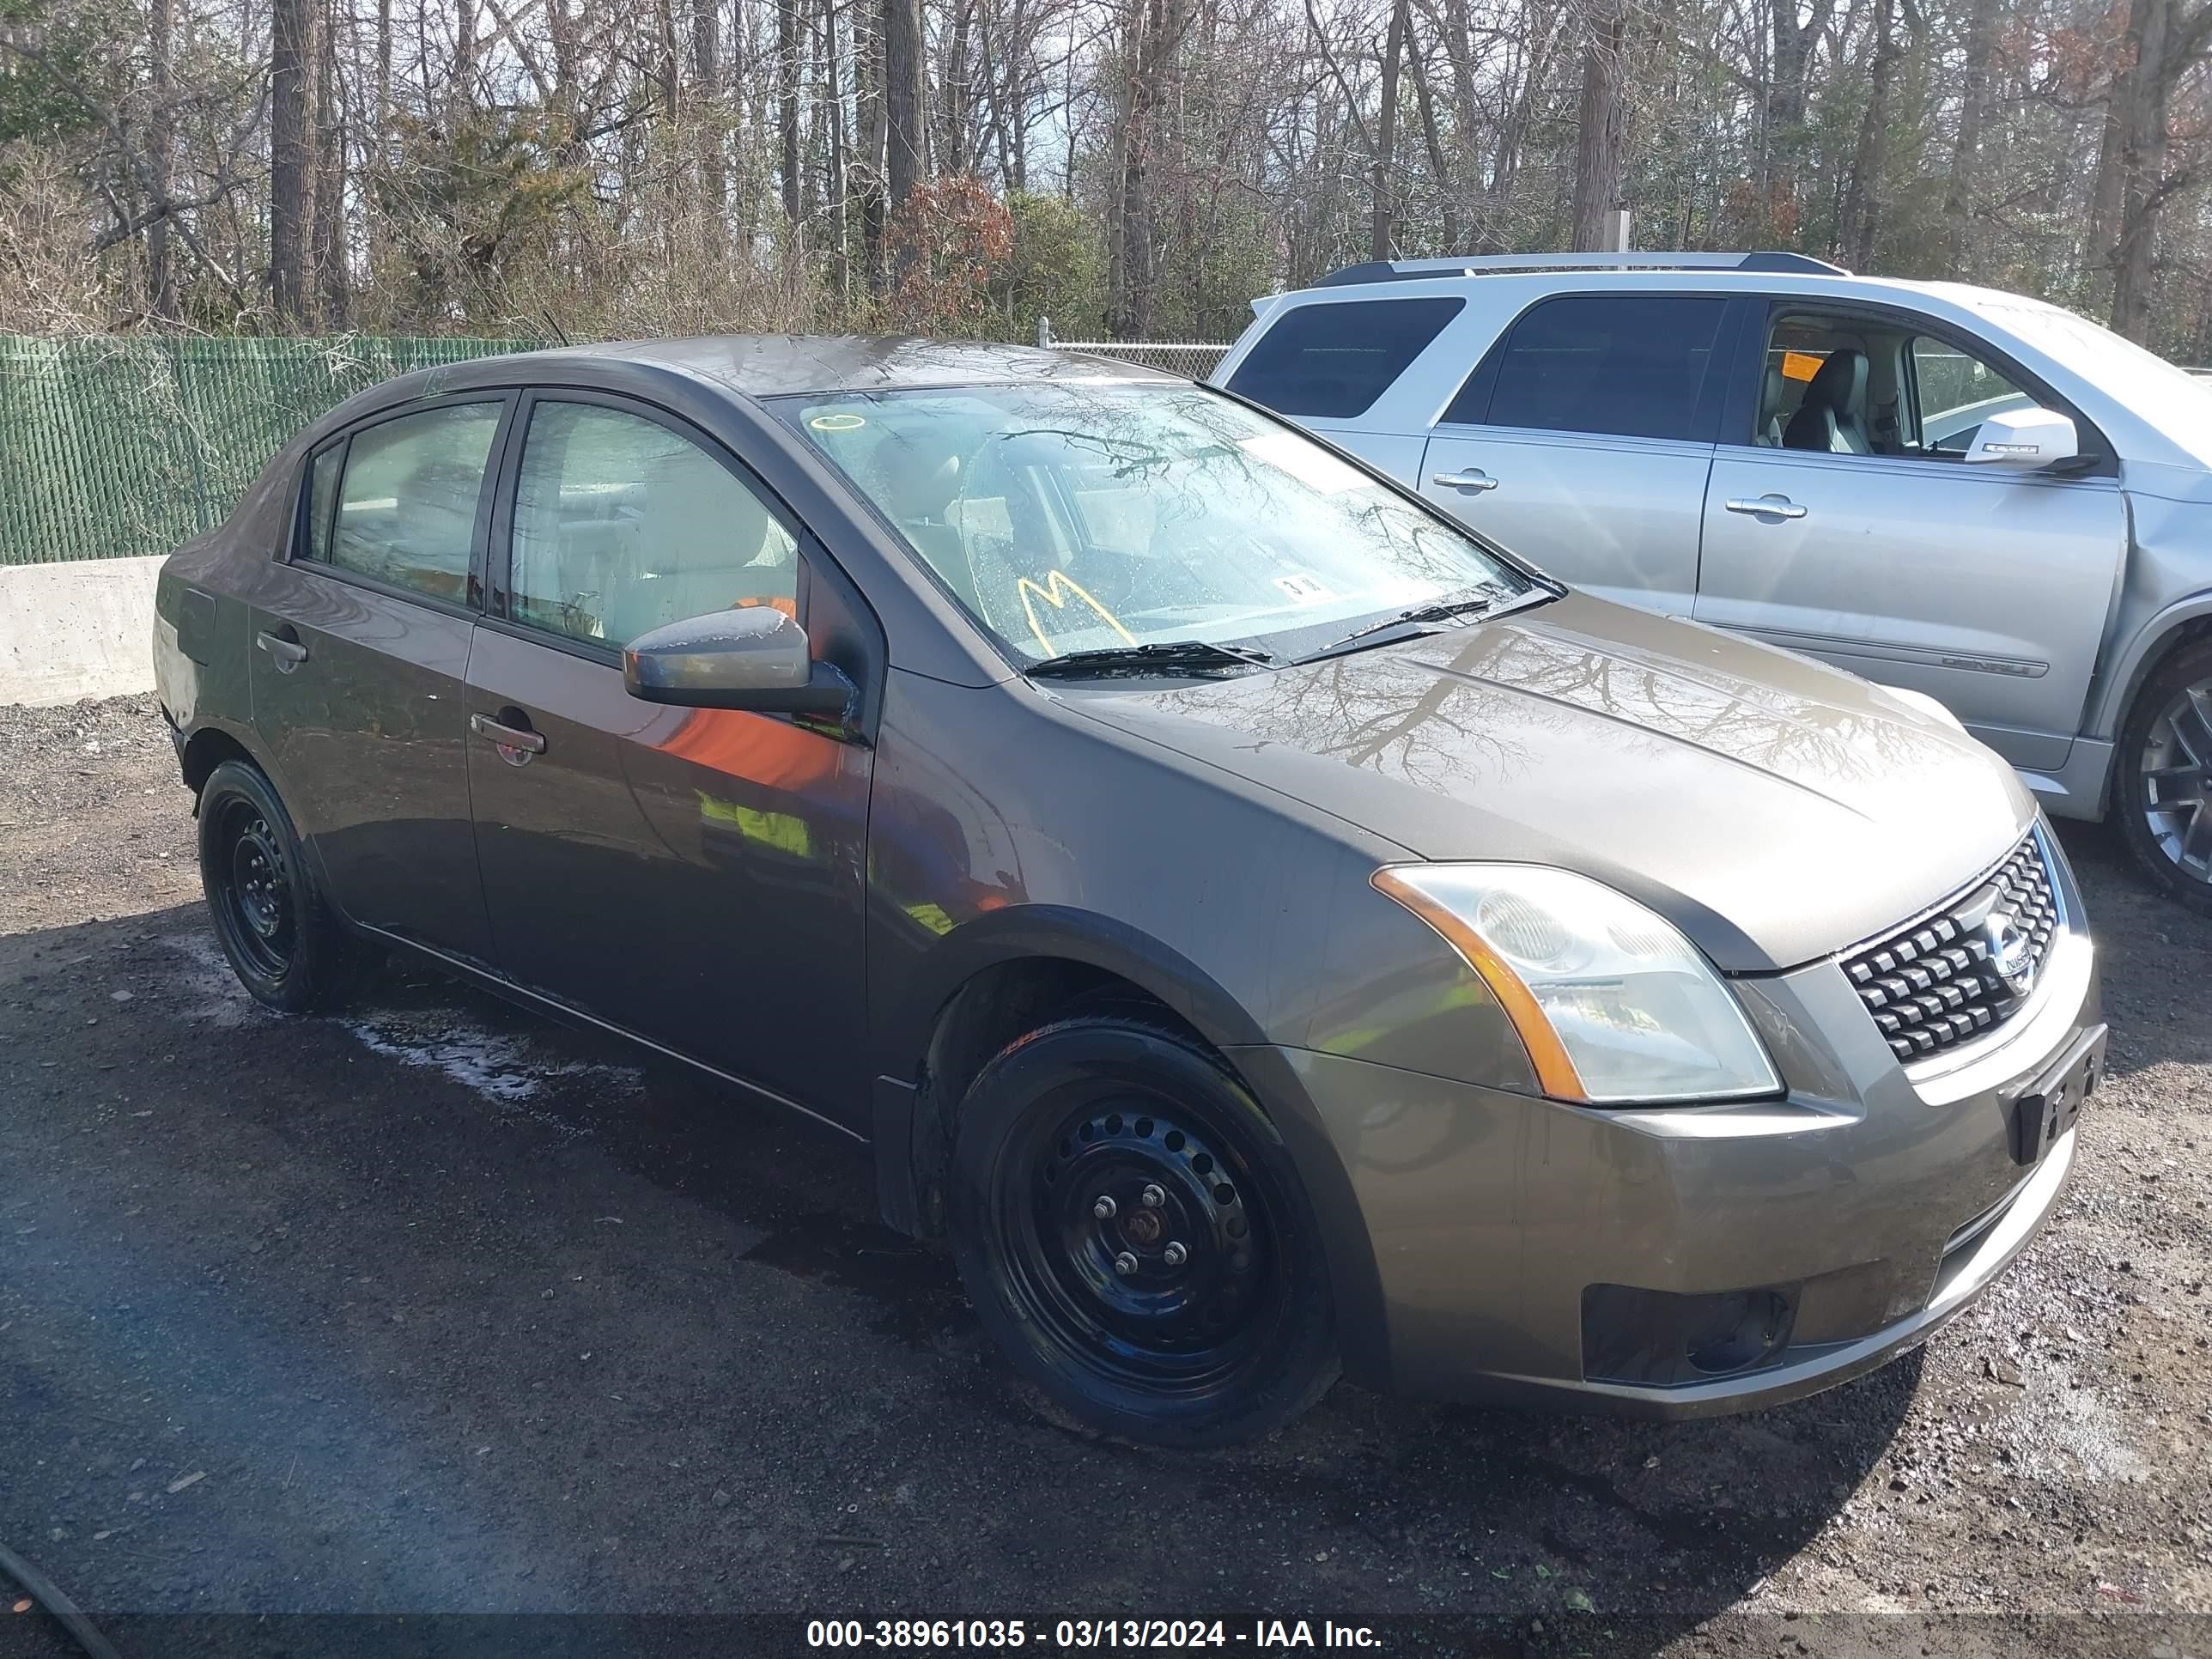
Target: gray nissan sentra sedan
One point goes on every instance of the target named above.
(1266, 930)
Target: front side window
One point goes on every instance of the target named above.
(1090, 516)
(407, 506)
(1954, 393)
(623, 526)
(1336, 358)
(1626, 365)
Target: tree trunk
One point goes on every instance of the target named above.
(1385, 241)
(787, 106)
(1859, 222)
(331, 274)
(289, 158)
(1597, 150)
(160, 139)
(903, 139)
(869, 141)
(712, 122)
(1959, 201)
(2143, 165)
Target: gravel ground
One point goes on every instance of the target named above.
(436, 1309)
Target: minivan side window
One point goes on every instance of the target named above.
(1625, 365)
(1337, 359)
(623, 526)
(407, 506)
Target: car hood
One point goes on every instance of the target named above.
(1774, 809)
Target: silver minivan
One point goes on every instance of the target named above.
(1953, 490)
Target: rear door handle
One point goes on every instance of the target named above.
(504, 737)
(1472, 479)
(288, 654)
(1769, 506)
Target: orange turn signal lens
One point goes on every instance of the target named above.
(1548, 1055)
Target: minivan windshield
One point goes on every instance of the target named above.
(1099, 515)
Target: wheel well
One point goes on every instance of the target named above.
(208, 749)
(993, 1007)
(2180, 637)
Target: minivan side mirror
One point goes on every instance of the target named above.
(2030, 438)
(753, 657)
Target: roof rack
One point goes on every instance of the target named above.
(1478, 264)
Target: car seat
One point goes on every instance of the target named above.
(1832, 417)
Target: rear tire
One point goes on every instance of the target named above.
(2162, 777)
(281, 939)
(1136, 1238)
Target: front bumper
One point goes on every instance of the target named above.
(1879, 1199)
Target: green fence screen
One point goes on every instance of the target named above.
(112, 446)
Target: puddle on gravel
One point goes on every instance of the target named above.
(507, 1069)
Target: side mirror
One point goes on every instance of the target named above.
(2030, 438)
(753, 658)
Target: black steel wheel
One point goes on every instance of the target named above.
(1135, 1235)
(2162, 782)
(283, 941)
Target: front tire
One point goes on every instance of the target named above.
(284, 943)
(2162, 785)
(1136, 1238)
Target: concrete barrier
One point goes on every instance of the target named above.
(82, 628)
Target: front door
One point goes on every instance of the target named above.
(693, 876)
(360, 648)
(1845, 526)
(1584, 441)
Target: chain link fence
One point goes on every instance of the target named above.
(122, 445)
(115, 447)
(1191, 360)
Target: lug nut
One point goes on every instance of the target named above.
(1104, 1209)
(1125, 1264)
(1153, 1196)
(1175, 1256)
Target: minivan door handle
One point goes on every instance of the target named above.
(283, 647)
(1473, 478)
(515, 743)
(1769, 506)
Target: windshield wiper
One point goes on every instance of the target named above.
(1471, 602)
(1163, 657)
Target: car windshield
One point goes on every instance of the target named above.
(1099, 515)
(2177, 402)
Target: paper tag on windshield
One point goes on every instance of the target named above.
(1306, 462)
(1304, 589)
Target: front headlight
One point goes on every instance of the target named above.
(1615, 1005)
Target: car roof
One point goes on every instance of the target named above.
(782, 365)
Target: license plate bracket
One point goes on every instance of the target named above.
(2047, 1108)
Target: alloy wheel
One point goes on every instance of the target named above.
(2176, 798)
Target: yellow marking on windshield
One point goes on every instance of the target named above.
(1057, 587)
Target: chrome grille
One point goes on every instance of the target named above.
(1935, 983)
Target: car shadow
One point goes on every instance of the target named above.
(2154, 957)
(366, 1251)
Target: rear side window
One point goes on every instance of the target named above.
(1630, 366)
(407, 506)
(1336, 360)
(322, 496)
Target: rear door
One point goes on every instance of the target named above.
(361, 645)
(1582, 439)
(694, 876)
(1884, 554)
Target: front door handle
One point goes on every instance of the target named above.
(1769, 506)
(286, 652)
(515, 743)
(1473, 478)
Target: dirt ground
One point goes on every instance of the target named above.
(436, 1309)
